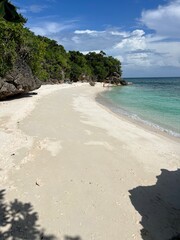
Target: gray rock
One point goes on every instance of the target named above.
(19, 80)
(92, 83)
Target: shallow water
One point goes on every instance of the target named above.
(153, 101)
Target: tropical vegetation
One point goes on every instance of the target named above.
(48, 60)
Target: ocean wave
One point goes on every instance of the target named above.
(122, 112)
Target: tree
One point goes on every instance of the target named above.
(47, 59)
(55, 60)
(9, 12)
(103, 66)
(11, 39)
(79, 68)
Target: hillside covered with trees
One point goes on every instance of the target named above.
(47, 60)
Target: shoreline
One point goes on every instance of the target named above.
(80, 165)
(152, 127)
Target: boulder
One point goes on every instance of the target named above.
(19, 80)
(91, 83)
(123, 82)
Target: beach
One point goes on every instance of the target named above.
(87, 173)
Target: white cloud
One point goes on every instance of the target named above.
(76, 39)
(89, 32)
(135, 41)
(141, 53)
(86, 52)
(35, 8)
(138, 33)
(90, 40)
(49, 28)
(170, 53)
(165, 20)
(22, 10)
(117, 33)
(139, 59)
(39, 31)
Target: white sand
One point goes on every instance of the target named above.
(76, 162)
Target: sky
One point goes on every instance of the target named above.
(143, 34)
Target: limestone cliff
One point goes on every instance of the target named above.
(19, 80)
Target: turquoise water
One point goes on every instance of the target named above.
(154, 101)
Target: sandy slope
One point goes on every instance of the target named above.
(81, 166)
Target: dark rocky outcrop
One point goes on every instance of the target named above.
(19, 80)
(123, 82)
(115, 79)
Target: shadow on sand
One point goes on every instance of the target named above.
(72, 238)
(18, 221)
(159, 206)
(19, 96)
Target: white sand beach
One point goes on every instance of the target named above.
(87, 173)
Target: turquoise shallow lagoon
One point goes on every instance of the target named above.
(153, 101)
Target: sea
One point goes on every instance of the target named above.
(151, 101)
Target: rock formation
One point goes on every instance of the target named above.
(19, 80)
(115, 79)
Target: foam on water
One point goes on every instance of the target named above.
(152, 101)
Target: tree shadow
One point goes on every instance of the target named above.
(159, 206)
(18, 221)
(72, 238)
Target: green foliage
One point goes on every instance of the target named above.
(9, 12)
(79, 67)
(10, 42)
(34, 52)
(103, 66)
(49, 60)
(55, 61)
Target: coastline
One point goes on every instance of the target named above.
(139, 122)
(77, 163)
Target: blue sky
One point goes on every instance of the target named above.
(143, 34)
